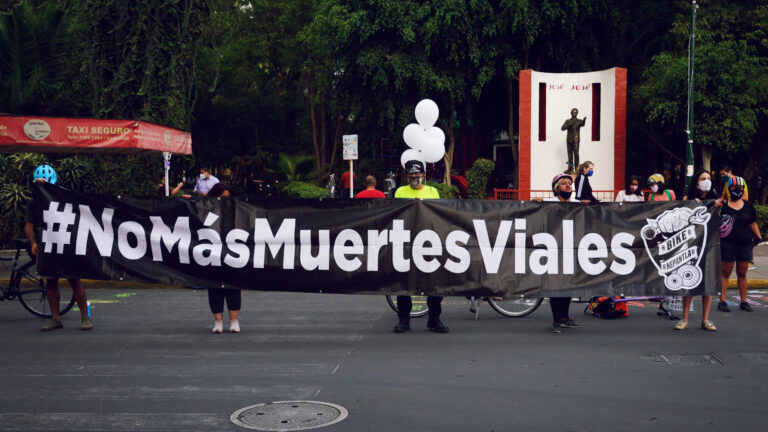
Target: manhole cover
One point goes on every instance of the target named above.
(289, 415)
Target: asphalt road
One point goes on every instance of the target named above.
(150, 364)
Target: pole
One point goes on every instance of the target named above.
(689, 128)
(351, 181)
(167, 166)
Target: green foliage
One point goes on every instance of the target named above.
(445, 191)
(293, 168)
(762, 219)
(477, 178)
(299, 189)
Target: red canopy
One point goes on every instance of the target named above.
(86, 135)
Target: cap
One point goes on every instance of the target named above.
(414, 167)
(557, 179)
(656, 178)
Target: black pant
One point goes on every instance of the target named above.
(404, 306)
(560, 306)
(216, 298)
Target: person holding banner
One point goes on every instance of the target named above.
(417, 189)
(659, 191)
(45, 173)
(562, 187)
(699, 189)
(739, 233)
(216, 296)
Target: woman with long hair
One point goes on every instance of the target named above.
(632, 193)
(583, 188)
(701, 187)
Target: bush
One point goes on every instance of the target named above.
(446, 192)
(304, 190)
(762, 219)
(477, 178)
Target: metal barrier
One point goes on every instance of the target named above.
(514, 194)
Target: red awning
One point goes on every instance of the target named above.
(87, 135)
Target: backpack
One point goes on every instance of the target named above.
(606, 307)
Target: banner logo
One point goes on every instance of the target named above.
(37, 129)
(675, 242)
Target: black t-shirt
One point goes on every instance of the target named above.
(735, 224)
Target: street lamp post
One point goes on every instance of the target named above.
(689, 129)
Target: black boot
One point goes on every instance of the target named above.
(436, 325)
(403, 326)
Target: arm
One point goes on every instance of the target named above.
(176, 189)
(756, 231)
(29, 230)
(566, 125)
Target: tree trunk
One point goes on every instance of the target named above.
(511, 129)
(313, 120)
(323, 137)
(448, 157)
(706, 157)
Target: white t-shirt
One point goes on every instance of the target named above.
(623, 197)
(556, 199)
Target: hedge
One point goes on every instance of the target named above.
(304, 190)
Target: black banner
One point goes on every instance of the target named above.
(386, 246)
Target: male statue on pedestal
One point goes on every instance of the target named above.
(573, 125)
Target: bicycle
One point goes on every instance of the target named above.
(30, 290)
(515, 307)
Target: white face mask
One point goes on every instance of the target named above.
(202, 176)
(705, 185)
(654, 188)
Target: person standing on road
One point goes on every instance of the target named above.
(563, 191)
(700, 189)
(726, 174)
(370, 190)
(417, 189)
(45, 173)
(583, 188)
(738, 235)
(205, 182)
(632, 193)
(216, 296)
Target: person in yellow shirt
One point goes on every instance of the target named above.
(417, 189)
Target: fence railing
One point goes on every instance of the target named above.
(515, 194)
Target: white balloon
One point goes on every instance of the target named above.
(427, 113)
(433, 153)
(409, 155)
(414, 136)
(435, 135)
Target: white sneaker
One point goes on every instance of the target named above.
(234, 326)
(218, 327)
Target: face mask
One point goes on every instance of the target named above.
(724, 179)
(565, 195)
(590, 172)
(633, 188)
(202, 176)
(654, 188)
(736, 195)
(415, 182)
(705, 185)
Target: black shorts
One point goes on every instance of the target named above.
(733, 252)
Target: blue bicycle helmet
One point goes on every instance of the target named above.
(45, 172)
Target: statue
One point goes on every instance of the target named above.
(572, 125)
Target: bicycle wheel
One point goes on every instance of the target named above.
(419, 305)
(514, 307)
(34, 297)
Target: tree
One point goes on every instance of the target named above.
(731, 75)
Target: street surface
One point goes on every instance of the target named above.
(150, 364)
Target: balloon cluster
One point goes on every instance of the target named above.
(426, 142)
